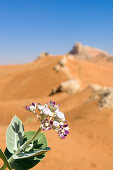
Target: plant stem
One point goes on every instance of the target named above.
(30, 140)
(24, 145)
(3, 167)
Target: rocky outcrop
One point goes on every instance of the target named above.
(57, 68)
(97, 88)
(61, 66)
(104, 94)
(77, 49)
(70, 86)
(106, 98)
(43, 54)
(86, 53)
(63, 61)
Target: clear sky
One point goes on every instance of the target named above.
(28, 27)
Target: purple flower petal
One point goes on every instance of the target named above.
(63, 131)
(65, 125)
(33, 104)
(27, 107)
(51, 122)
(66, 132)
(53, 103)
(62, 136)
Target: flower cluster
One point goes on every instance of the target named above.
(51, 117)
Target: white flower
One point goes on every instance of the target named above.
(47, 112)
(60, 115)
(32, 107)
(51, 114)
(40, 107)
(56, 124)
(52, 106)
(67, 128)
(61, 123)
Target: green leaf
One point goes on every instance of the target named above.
(40, 142)
(30, 154)
(3, 157)
(14, 134)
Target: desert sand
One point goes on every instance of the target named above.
(89, 145)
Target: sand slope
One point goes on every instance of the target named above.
(90, 142)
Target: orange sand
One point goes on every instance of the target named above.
(89, 145)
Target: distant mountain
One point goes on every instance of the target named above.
(89, 53)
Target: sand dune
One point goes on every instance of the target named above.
(90, 142)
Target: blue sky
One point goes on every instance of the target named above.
(28, 27)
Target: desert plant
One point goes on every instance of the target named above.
(26, 149)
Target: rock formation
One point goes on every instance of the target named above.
(104, 94)
(70, 86)
(86, 53)
(43, 54)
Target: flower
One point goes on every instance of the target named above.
(63, 131)
(46, 124)
(40, 107)
(47, 111)
(52, 106)
(55, 125)
(59, 115)
(50, 117)
(31, 108)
